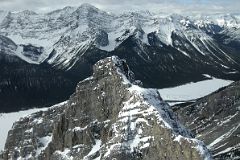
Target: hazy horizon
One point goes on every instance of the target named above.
(164, 6)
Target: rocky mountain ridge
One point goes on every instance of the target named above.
(215, 120)
(108, 117)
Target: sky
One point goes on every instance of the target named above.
(172, 6)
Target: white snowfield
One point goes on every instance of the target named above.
(7, 120)
(194, 90)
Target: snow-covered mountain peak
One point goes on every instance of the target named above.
(87, 6)
(138, 14)
(223, 20)
(175, 17)
(90, 11)
(61, 12)
(26, 13)
(67, 31)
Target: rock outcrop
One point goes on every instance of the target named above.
(215, 120)
(108, 117)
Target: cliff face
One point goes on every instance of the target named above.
(108, 117)
(215, 120)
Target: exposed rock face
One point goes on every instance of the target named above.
(7, 45)
(108, 117)
(101, 38)
(215, 120)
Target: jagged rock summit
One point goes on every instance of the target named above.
(108, 117)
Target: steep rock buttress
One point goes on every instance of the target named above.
(108, 117)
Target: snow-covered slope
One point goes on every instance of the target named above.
(7, 120)
(68, 31)
(223, 20)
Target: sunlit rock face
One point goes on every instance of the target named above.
(108, 117)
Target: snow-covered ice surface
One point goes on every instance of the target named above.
(192, 90)
(7, 120)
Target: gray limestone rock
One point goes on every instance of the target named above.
(108, 117)
(215, 120)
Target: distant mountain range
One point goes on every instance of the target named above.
(43, 54)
